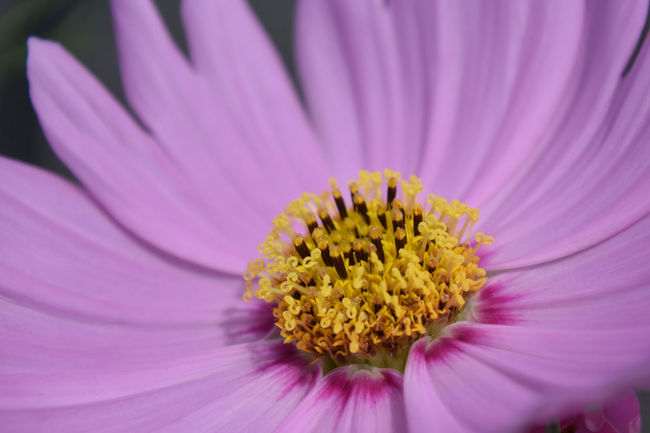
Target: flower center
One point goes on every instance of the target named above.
(368, 280)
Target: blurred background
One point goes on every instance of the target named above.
(84, 28)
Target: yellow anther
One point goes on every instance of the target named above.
(371, 272)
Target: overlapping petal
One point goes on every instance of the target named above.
(605, 287)
(122, 166)
(175, 104)
(576, 329)
(248, 387)
(446, 390)
(232, 52)
(228, 144)
(498, 74)
(505, 106)
(498, 378)
(100, 332)
(349, 60)
(351, 399)
(134, 331)
(595, 162)
(62, 255)
(436, 88)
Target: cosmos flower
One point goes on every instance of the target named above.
(121, 306)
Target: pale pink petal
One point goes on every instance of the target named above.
(576, 328)
(350, 63)
(500, 70)
(447, 390)
(231, 51)
(351, 399)
(243, 388)
(500, 378)
(607, 38)
(59, 253)
(572, 369)
(225, 159)
(605, 287)
(125, 169)
(592, 162)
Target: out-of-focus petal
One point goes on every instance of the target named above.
(125, 169)
(249, 387)
(621, 414)
(59, 253)
(351, 399)
(593, 161)
(231, 51)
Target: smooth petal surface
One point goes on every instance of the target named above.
(350, 399)
(593, 160)
(249, 387)
(59, 253)
(124, 168)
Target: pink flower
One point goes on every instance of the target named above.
(120, 306)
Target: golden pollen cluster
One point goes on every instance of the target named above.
(360, 282)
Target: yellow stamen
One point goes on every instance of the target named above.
(372, 278)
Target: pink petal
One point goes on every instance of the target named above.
(592, 162)
(496, 378)
(349, 59)
(500, 73)
(397, 83)
(351, 399)
(576, 328)
(243, 388)
(572, 369)
(448, 391)
(62, 255)
(195, 126)
(604, 287)
(125, 169)
(246, 76)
